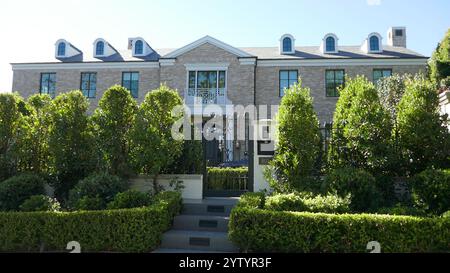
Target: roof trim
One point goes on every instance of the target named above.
(341, 62)
(204, 40)
(91, 65)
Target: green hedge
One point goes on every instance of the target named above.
(296, 202)
(258, 230)
(132, 230)
(227, 178)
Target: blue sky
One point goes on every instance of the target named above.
(29, 28)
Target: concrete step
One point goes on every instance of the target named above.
(201, 223)
(197, 240)
(213, 206)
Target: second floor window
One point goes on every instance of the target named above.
(287, 79)
(208, 85)
(89, 84)
(130, 80)
(334, 79)
(381, 73)
(48, 84)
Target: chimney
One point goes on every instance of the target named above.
(130, 43)
(397, 36)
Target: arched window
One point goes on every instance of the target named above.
(287, 44)
(62, 49)
(330, 44)
(374, 43)
(139, 47)
(100, 49)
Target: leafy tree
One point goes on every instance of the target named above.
(423, 137)
(361, 129)
(153, 147)
(113, 120)
(298, 137)
(440, 61)
(71, 142)
(34, 154)
(12, 128)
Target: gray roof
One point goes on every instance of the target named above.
(269, 53)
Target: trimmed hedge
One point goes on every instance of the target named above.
(131, 230)
(258, 230)
(226, 178)
(296, 202)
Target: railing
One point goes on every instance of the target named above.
(206, 96)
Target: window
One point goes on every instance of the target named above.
(100, 49)
(330, 44)
(130, 80)
(89, 84)
(139, 47)
(48, 84)
(374, 43)
(209, 85)
(334, 79)
(399, 32)
(62, 49)
(287, 44)
(381, 73)
(287, 79)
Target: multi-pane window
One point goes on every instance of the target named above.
(130, 80)
(287, 79)
(330, 44)
(287, 44)
(374, 43)
(139, 47)
(100, 49)
(334, 80)
(381, 73)
(62, 49)
(89, 84)
(48, 84)
(209, 85)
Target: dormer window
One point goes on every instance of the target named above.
(61, 49)
(139, 47)
(287, 44)
(329, 44)
(374, 43)
(100, 48)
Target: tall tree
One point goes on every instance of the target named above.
(153, 147)
(298, 138)
(440, 61)
(113, 120)
(423, 138)
(71, 142)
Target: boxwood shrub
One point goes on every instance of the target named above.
(226, 178)
(296, 202)
(128, 230)
(258, 230)
(15, 190)
(130, 199)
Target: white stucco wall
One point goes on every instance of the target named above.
(444, 103)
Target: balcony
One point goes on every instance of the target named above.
(205, 96)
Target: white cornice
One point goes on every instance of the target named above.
(167, 62)
(207, 66)
(341, 62)
(210, 40)
(106, 65)
(247, 61)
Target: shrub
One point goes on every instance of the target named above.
(431, 190)
(227, 178)
(113, 120)
(130, 199)
(190, 160)
(440, 60)
(295, 202)
(253, 200)
(88, 203)
(265, 231)
(97, 186)
(298, 137)
(17, 189)
(359, 183)
(445, 83)
(446, 214)
(40, 203)
(361, 129)
(400, 209)
(132, 230)
(423, 137)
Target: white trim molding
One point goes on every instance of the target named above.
(292, 44)
(167, 62)
(70, 50)
(342, 62)
(323, 45)
(247, 61)
(207, 67)
(108, 50)
(81, 66)
(209, 40)
(366, 45)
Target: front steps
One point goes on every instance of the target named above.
(202, 227)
